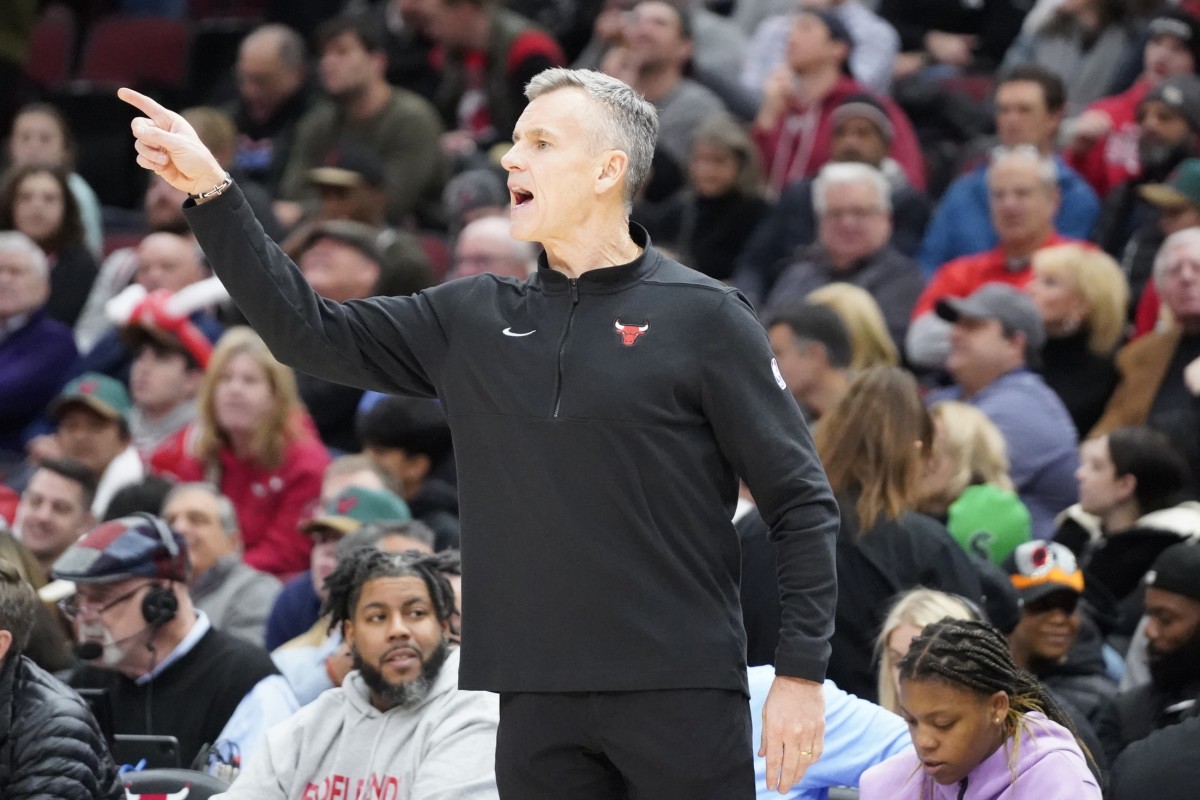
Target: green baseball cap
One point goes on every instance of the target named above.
(1183, 187)
(354, 507)
(989, 522)
(104, 395)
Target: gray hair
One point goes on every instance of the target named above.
(226, 513)
(1186, 240)
(20, 244)
(293, 55)
(628, 122)
(1046, 169)
(846, 172)
(372, 533)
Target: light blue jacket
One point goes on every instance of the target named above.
(858, 735)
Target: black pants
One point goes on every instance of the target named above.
(690, 744)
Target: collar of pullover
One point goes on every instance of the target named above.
(604, 279)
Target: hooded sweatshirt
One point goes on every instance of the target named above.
(342, 746)
(1048, 766)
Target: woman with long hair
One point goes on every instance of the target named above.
(871, 344)
(981, 727)
(254, 440)
(36, 200)
(874, 445)
(1081, 295)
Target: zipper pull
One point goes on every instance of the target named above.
(573, 283)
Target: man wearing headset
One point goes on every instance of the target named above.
(167, 670)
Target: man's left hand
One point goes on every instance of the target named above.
(793, 730)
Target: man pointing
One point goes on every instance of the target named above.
(597, 469)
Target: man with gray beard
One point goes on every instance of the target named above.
(399, 726)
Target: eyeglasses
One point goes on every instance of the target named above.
(74, 608)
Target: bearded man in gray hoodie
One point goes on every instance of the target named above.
(399, 726)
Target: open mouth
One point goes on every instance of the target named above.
(520, 197)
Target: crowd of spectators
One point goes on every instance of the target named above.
(972, 232)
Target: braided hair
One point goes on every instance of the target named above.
(975, 655)
(346, 581)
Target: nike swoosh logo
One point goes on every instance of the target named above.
(511, 332)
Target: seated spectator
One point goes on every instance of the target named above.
(162, 210)
(1103, 140)
(273, 93)
(164, 381)
(858, 735)
(485, 245)
(906, 616)
(364, 110)
(406, 28)
(862, 133)
(962, 670)
(253, 436)
(812, 348)
(410, 439)
(299, 603)
(853, 207)
(154, 652)
(91, 417)
(1053, 640)
(1132, 490)
(996, 334)
(876, 43)
(41, 135)
(55, 509)
(320, 659)
(707, 224)
(967, 483)
(351, 187)
(48, 645)
(1029, 104)
(144, 497)
(1156, 386)
(1168, 121)
(37, 201)
(870, 343)
(235, 596)
(1023, 196)
(1081, 295)
(653, 60)
(473, 194)
(486, 55)
(166, 262)
(1173, 642)
(53, 746)
(813, 82)
(964, 37)
(884, 546)
(1177, 204)
(393, 611)
(36, 351)
(1084, 42)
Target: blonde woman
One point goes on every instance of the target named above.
(872, 346)
(967, 483)
(910, 612)
(1082, 296)
(253, 439)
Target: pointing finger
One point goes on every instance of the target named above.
(148, 106)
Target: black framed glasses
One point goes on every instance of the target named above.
(73, 608)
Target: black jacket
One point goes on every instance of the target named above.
(1163, 765)
(50, 745)
(599, 426)
(1081, 378)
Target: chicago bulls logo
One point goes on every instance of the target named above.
(180, 795)
(89, 387)
(630, 333)
(346, 504)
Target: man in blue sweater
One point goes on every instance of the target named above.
(1029, 109)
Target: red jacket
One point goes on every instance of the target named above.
(1114, 158)
(965, 274)
(270, 503)
(790, 152)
